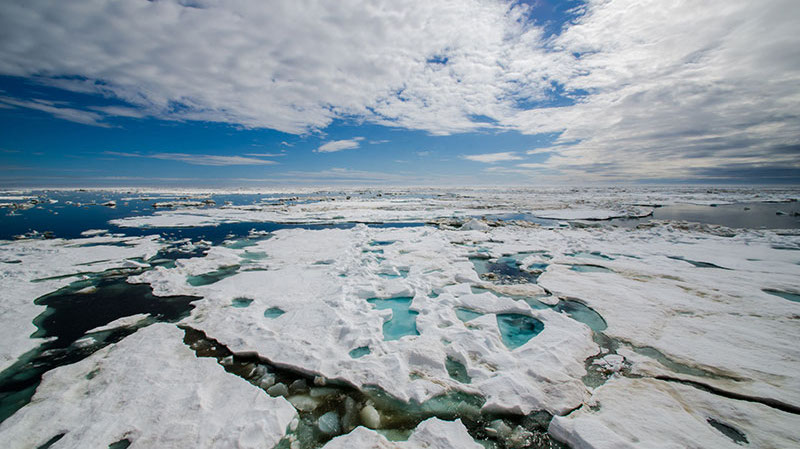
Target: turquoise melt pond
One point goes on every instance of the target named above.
(517, 329)
(403, 321)
(273, 312)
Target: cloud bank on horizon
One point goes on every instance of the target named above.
(631, 89)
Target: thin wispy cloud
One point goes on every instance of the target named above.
(64, 113)
(266, 154)
(197, 159)
(339, 145)
(491, 158)
(532, 165)
(120, 111)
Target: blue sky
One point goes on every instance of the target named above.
(468, 92)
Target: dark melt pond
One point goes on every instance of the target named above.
(508, 269)
(784, 215)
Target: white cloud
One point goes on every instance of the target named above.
(491, 158)
(197, 159)
(64, 113)
(119, 111)
(339, 145)
(540, 151)
(291, 66)
(532, 165)
(266, 154)
(661, 88)
(676, 90)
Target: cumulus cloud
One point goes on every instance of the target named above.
(339, 145)
(650, 88)
(289, 66)
(674, 90)
(491, 158)
(197, 159)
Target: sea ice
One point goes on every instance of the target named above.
(430, 434)
(669, 302)
(151, 390)
(717, 320)
(47, 265)
(648, 413)
(335, 317)
(596, 203)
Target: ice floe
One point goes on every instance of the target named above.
(718, 320)
(32, 268)
(330, 303)
(648, 413)
(127, 321)
(151, 390)
(432, 433)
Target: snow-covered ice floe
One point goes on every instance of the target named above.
(322, 281)
(32, 268)
(678, 305)
(150, 390)
(647, 413)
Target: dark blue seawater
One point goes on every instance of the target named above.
(766, 215)
(76, 211)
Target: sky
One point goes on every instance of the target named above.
(247, 93)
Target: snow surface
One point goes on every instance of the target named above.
(63, 261)
(126, 321)
(717, 320)
(648, 413)
(150, 389)
(328, 301)
(713, 325)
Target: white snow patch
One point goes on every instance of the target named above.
(94, 232)
(150, 389)
(127, 321)
(647, 413)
